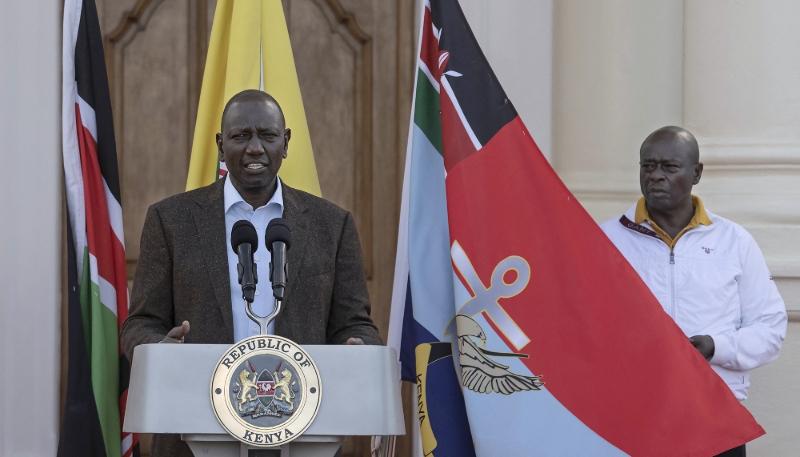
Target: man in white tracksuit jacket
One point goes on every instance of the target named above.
(706, 271)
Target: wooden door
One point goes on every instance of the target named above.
(354, 61)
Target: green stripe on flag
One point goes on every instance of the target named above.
(427, 113)
(85, 297)
(100, 327)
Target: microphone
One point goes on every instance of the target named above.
(279, 240)
(244, 241)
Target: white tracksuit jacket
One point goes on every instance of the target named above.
(715, 282)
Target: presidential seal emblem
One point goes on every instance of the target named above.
(266, 390)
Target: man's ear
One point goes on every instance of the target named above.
(219, 147)
(287, 135)
(698, 173)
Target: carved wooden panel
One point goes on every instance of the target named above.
(154, 59)
(333, 57)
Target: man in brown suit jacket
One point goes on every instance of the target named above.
(183, 278)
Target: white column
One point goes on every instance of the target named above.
(30, 226)
(617, 76)
(742, 100)
(517, 38)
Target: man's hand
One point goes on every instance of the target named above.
(704, 344)
(176, 334)
(355, 342)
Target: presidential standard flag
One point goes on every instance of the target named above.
(249, 48)
(98, 372)
(525, 330)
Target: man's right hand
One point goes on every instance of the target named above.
(176, 334)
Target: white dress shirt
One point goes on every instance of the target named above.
(237, 209)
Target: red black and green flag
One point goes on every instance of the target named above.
(98, 372)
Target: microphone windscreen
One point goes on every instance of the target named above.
(278, 230)
(244, 232)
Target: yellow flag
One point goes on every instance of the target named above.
(250, 49)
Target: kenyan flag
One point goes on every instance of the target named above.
(98, 374)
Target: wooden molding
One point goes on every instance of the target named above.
(129, 18)
(345, 24)
(347, 18)
(131, 23)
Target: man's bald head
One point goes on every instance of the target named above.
(670, 165)
(251, 95)
(675, 138)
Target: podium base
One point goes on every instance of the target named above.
(214, 445)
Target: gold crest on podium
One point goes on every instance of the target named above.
(266, 390)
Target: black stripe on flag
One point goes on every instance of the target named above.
(81, 435)
(92, 82)
(478, 91)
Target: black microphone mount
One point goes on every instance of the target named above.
(244, 241)
(278, 240)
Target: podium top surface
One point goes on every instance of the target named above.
(169, 390)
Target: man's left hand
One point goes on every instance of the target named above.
(704, 344)
(355, 342)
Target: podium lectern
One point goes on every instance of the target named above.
(170, 393)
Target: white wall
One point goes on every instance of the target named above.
(30, 226)
(517, 38)
(617, 76)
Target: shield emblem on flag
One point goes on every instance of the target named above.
(265, 388)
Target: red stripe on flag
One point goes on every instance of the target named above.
(123, 401)
(100, 235)
(455, 140)
(429, 50)
(120, 282)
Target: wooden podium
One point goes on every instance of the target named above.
(170, 393)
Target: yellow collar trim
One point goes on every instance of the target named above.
(700, 218)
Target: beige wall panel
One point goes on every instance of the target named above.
(742, 101)
(742, 69)
(111, 11)
(774, 400)
(151, 108)
(617, 71)
(327, 67)
(391, 99)
(517, 40)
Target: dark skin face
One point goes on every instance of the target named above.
(253, 144)
(667, 173)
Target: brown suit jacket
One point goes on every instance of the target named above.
(182, 274)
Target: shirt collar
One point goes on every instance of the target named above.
(700, 216)
(231, 195)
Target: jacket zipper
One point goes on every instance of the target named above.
(673, 305)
